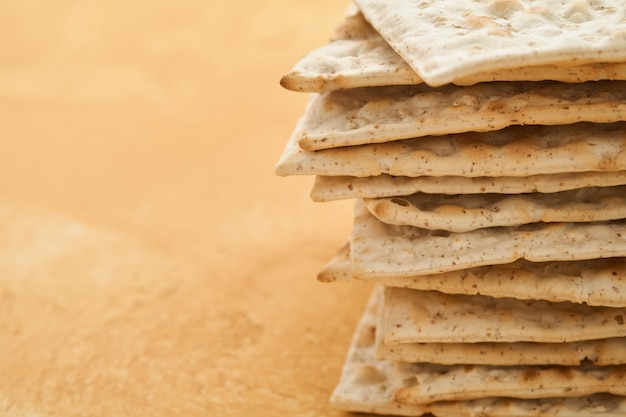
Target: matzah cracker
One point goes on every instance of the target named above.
(463, 213)
(430, 383)
(596, 282)
(412, 316)
(508, 354)
(357, 56)
(366, 384)
(604, 405)
(327, 188)
(444, 40)
(369, 385)
(338, 268)
(381, 250)
(518, 151)
(380, 114)
(601, 352)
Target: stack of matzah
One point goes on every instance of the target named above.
(485, 145)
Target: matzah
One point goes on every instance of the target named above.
(445, 40)
(609, 351)
(485, 143)
(380, 114)
(370, 385)
(381, 250)
(357, 56)
(412, 316)
(329, 188)
(463, 213)
(596, 282)
(513, 152)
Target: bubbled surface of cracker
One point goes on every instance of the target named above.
(596, 282)
(370, 385)
(605, 405)
(381, 114)
(381, 250)
(463, 213)
(357, 56)
(609, 351)
(330, 188)
(412, 316)
(518, 151)
(442, 40)
(366, 384)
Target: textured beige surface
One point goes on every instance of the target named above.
(380, 114)
(598, 282)
(140, 275)
(463, 213)
(357, 56)
(368, 384)
(445, 40)
(515, 151)
(327, 188)
(381, 250)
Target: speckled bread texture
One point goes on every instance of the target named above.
(370, 385)
(338, 268)
(464, 213)
(601, 352)
(327, 188)
(444, 40)
(381, 250)
(462, 382)
(381, 114)
(412, 316)
(367, 384)
(596, 282)
(518, 151)
(357, 56)
(604, 405)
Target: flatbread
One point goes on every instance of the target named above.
(445, 40)
(369, 385)
(338, 268)
(412, 316)
(380, 250)
(600, 352)
(381, 114)
(518, 151)
(463, 213)
(328, 188)
(431, 383)
(596, 282)
(366, 384)
(357, 56)
(589, 406)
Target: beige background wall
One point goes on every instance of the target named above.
(151, 264)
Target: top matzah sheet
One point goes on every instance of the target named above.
(444, 40)
(382, 114)
(357, 56)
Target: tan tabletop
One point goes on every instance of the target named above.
(151, 264)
